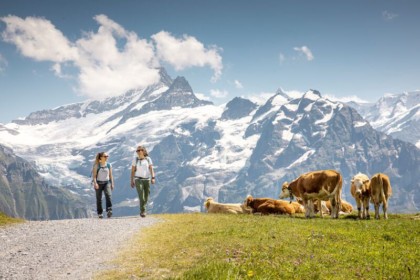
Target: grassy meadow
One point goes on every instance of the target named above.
(217, 246)
(6, 220)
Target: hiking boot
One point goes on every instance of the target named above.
(142, 214)
(109, 213)
(100, 216)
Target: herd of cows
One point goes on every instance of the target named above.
(317, 191)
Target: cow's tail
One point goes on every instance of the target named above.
(338, 188)
(336, 196)
(382, 186)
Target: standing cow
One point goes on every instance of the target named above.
(322, 185)
(360, 190)
(380, 189)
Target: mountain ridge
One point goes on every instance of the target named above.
(200, 149)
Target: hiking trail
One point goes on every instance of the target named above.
(65, 249)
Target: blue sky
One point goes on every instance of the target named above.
(55, 52)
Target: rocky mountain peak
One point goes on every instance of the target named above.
(180, 84)
(164, 77)
(238, 108)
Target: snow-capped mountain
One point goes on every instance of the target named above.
(396, 115)
(200, 149)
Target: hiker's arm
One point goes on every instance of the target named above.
(152, 172)
(95, 173)
(133, 170)
(111, 177)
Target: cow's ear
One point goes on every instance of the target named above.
(366, 181)
(352, 181)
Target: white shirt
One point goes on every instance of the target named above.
(103, 173)
(142, 167)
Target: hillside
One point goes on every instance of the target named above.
(26, 195)
(217, 246)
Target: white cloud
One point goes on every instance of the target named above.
(111, 60)
(218, 93)
(38, 38)
(110, 70)
(187, 52)
(202, 96)
(345, 99)
(388, 15)
(305, 51)
(3, 63)
(260, 98)
(238, 84)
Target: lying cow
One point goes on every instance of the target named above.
(317, 205)
(346, 208)
(232, 208)
(322, 185)
(360, 190)
(298, 207)
(267, 206)
(380, 190)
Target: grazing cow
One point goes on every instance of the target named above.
(233, 208)
(360, 190)
(267, 206)
(380, 191)
(322, 185)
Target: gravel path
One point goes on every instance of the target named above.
(64, 249)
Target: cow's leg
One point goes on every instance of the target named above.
(366, 207)
(312, 208)
(377, 210)
(332, 202)
(320, 208)
(307, 208)
(359, 207)
(335, 208)
(385, 208)
(338, 206)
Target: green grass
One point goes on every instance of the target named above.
(6, 220)
(203, 246)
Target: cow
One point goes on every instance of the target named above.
(346, 208)
(267, 206)
(380, 191)
(322, 185)
(360, 190)
(317, 204)
(298, 207)
(232, 208)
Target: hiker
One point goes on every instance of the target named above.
(142, 175)
(103, 181)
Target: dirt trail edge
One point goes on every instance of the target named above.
(64, 249)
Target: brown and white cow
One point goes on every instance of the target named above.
(380, 191)
(226, 208)
(267, 206)
(322, 185)
(346, 208)
(360, 190)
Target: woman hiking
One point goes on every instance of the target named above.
(103, 182)
(142, 174)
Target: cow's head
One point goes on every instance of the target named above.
(208, 201)
(285, 191)
(248, 201)
(360, 185)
